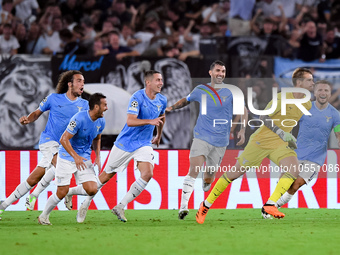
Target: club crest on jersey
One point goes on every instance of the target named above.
(328, 118)
(159, 107)
(72, 125)
(224, 98)
(98, 127)
(79, 108)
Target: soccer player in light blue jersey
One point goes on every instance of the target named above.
(74, 157)
(313, 138)
(61, 105)
(210, 140)
(146, 110)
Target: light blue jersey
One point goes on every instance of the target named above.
(133, 138)
(205, 130)
(61, 110)
(84, 130)
(314, 132)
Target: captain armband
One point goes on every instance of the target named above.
(337, 128)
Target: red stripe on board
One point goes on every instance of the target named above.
(33, 160)
(12, 171)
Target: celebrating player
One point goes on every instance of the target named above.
(62, 106)
(146, 110)
(209, 142)
(274, 141)
(312, 149)
(74, 155)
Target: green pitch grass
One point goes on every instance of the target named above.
(241, 231)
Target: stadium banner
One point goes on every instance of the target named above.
(328, 70)
(164, 190)
(25, 80)
(128, 75)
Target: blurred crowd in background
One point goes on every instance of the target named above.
(303, 29)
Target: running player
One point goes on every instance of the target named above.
(74, 155)
(312, 149)
(272, 140)
(146, 110)
(210, 142)
(62, 106)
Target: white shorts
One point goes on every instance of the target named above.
(119, 159)
(66, 168)
(213, 155)
(48, 150)
(308, 170)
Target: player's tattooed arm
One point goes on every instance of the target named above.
(178, 105)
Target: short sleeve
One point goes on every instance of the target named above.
(194, 95)
(134, 105)
(74, 125)
(45, 104)
(15, 43)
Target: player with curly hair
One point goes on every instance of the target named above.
(62, 105)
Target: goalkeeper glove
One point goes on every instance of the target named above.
(287, 137)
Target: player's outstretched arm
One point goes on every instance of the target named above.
(285, 136)
(157, 139)
(133, 121)
(33, 116)
(178, 105)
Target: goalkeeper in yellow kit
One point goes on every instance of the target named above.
(272, 140)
